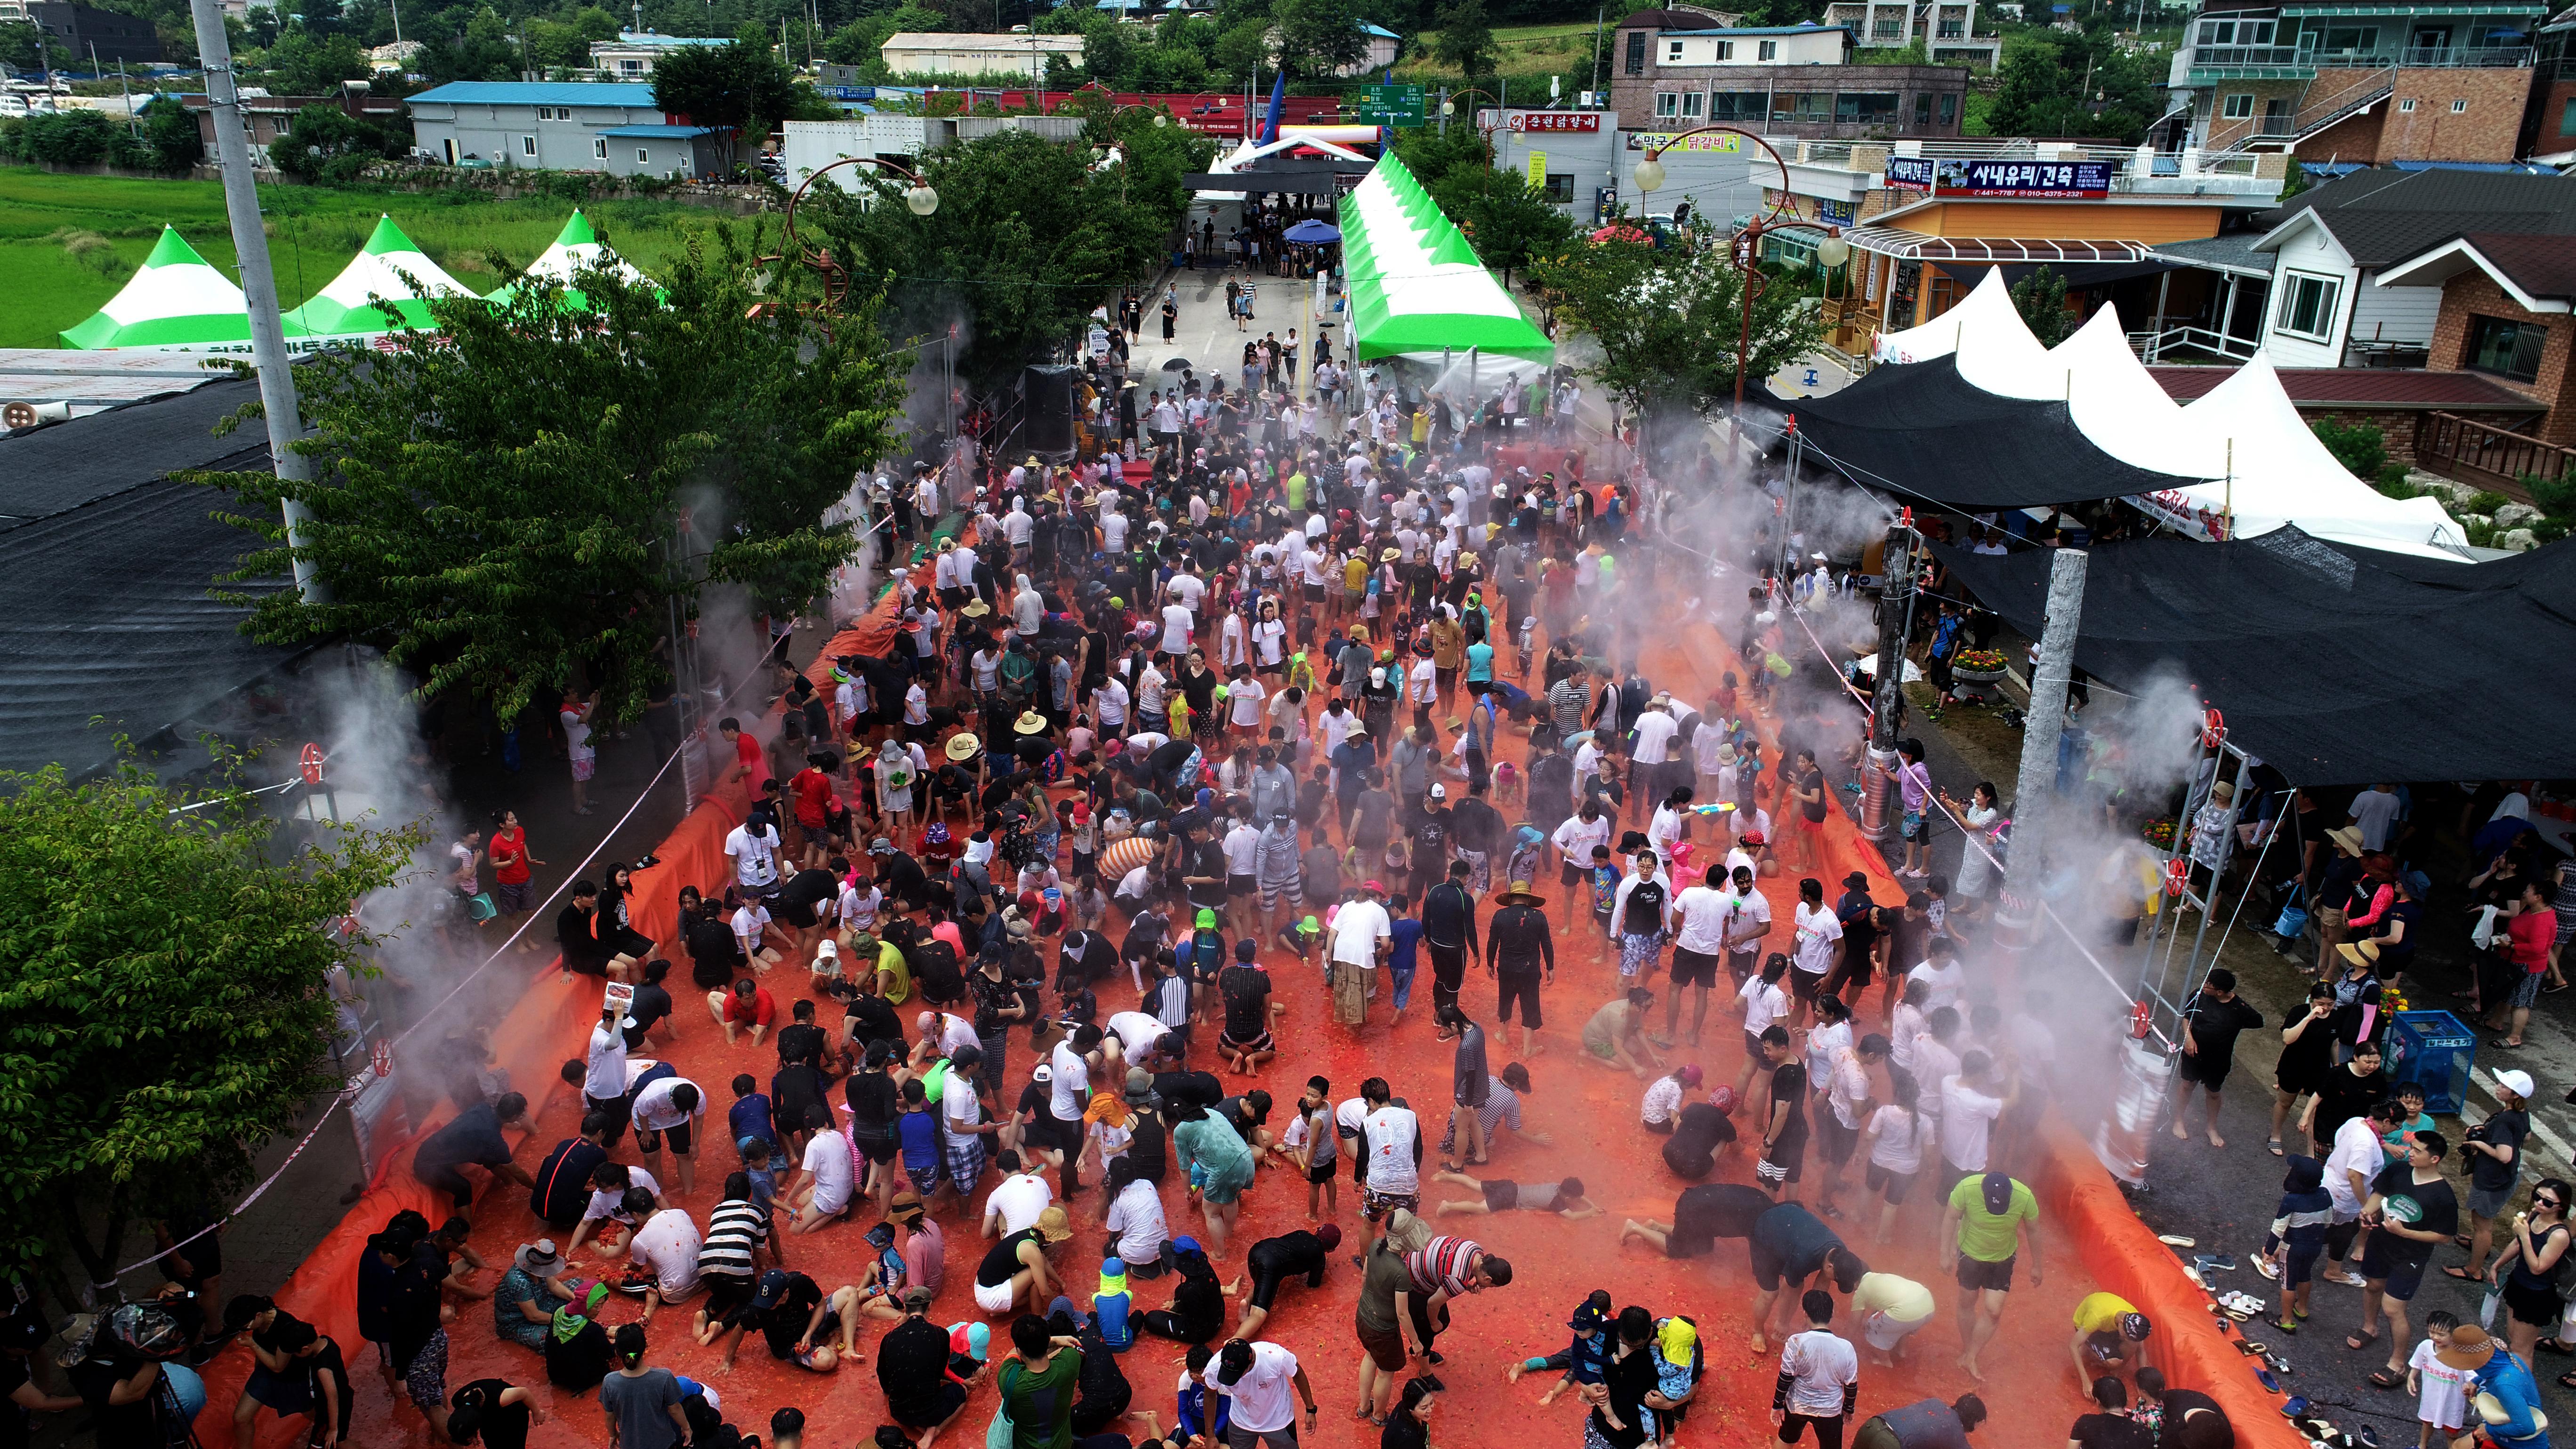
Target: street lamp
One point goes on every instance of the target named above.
(1746, 248)
(919, 198)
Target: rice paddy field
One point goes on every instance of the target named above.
(67, 243)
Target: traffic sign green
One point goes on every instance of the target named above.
(1391, 105)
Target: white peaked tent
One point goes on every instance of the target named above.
(391, 268)
(2265, 464)
(576, 249)
(177, 302)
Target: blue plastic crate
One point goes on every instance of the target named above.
(2434, 1050)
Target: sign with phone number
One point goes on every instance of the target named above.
(2000, 178)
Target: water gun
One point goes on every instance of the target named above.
(1720, 808)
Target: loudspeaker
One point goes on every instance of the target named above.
(1046, 394)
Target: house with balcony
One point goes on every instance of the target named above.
(2549, 126)
(2333, 246)
(1927, 220)
(1672, 70)
(2507, 315)
(2355, 81)
(1946, 29)
(632, 55)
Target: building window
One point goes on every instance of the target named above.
(1867, 107)
(2407, 106)
(1770, 50)
(1667, 105)
(599, 148)
(2237, 107)
(1636, 52)
(630, 65)
(1923, 109)
(1560, 187)
(2459, 106)
(1886, 29)
(2236, 32)
(1949, 110)
(1726, 50)
(2507, 349)
(1735, 105)
(643, 157)
(1672, 51)
(1691, 105)
(1814, 107)
(527, 145)
(2567, 118)
(2308, 306)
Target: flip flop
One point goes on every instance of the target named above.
(2567, 1381)
(2383, 1379)
(2356, 1342)
(2453, 1270)
(2273, 1145)
(2459, 1240)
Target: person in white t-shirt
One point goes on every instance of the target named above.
(1390, 1153)
(1970, 1103)
(1764, 1002)
(672, 1107)
(1819, 937)
(1362, 935)
(1942, 975)
(1700, 915)
(1269, 638)
(1821, 1377)
(1015, 1203)
(754, 849)
(1177, 623)
(665, 1246)
(828, 1171)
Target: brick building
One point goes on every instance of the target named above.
(1673, 69)
(265, 118)
(2505, 318)
(2389, 399)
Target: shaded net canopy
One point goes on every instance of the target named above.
(2338, 665)
(1924, 431)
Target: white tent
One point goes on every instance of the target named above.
(174, 302)
(576, 248)
(391, 269)
(2265, 464)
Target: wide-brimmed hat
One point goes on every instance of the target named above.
(1140, 1086)
(1520, 894)
(2470, 1348)
(2221, 790)
(974, 609)
(1390, 555)
(1030, 722)
(2346, 839)
(1053, 1225)
(538, 1259)
(2362, 953)
(964, 747)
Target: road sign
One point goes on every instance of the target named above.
(1390, 105)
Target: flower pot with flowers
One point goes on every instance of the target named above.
(2160, 834)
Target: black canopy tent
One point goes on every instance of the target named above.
(1926, 432)
(2336, 665)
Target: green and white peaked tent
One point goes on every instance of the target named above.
(1416, 288)
(392, 268)
(577, 249)
(177, 302)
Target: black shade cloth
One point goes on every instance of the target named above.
(2338, 666)
(1924, 431)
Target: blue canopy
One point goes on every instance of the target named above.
(1310, 231)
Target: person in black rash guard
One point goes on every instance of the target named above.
(900, 874)
(792, 1091)
(1618, 1418)
(867, 1018)
(577, 933)
(1101, 1392)
(1701, 1216)
(1149, 1143)
(807, 900)
(1692, 1151)
(1197, 1313)
(1273, 1261)
(562, 1188)
(714, 954)
(652, 1004)
(1084, 958)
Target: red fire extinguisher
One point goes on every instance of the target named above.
(2141, 1021)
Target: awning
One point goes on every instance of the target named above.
(1417, 289)
(1890, 241)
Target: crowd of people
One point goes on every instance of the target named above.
(1255, 721)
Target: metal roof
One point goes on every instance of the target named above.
(1915, 246)
(2384, 216)
(657, 133)
(2231, 252)
(540, 93)
(1767, 30)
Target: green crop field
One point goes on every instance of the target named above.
(67, 243)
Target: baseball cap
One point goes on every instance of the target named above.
(2517, 1082)
(1234, 1363)
(1439, 792)
(1997, 1189)
(917, 1296)
(773, 1286)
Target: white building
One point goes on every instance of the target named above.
(809, 146)
(923, 52)
(1757, 45)
(1947, 29)
(632, 54)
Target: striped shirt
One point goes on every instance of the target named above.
(733, 1230)
(1444, 1262)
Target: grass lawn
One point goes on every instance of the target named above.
(313, 232)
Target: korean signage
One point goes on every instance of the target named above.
(1390, 105)
(1538, 171)
(1544, 121)
(1663, 141)
(1840, 213)
(2058, 179)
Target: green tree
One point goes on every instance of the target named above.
(1433, 153)
(1243, 48)
(1319, 39)
(1506, 221)
(1027, 238)
(170, 131)
(1668, 324)
(2040, 298)
(145, 1055)
(1108, 50)
(1466, 40)
(552, 43)
(2059, 84)
(724, 87)
(327, 143)
(498, 513)
(307, 65)
(21, 45)
(70, 138)
(2362, 450)
(594, 23)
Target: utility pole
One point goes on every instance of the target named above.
(1895, 600)
(2035, 788)
(258, 281)
(1600, 19)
